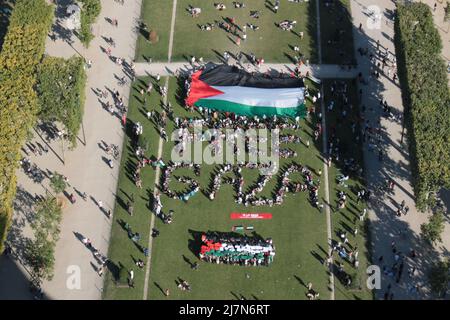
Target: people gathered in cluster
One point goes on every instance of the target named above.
(236, 249)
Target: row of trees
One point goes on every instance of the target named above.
(426, 98)
(90, 10)
(40, 253)
(61, 92)
(22, 51)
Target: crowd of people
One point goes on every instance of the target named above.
(236, 250)
(166, 177)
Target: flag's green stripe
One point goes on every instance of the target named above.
(246, 110)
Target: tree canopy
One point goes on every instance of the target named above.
(60, 89)
(22, 51)
(423, 78)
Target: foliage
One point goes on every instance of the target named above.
(40, 253)
(22, 51)
(439, 277)
(60, 89)
(432, 230)
(89, 12)
(40, 256)
(58, 183)
(47, 219)
(423, 77)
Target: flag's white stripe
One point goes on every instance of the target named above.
(277, 98)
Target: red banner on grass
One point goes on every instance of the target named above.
(237, 215)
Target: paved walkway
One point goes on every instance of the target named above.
(319, 71)
(385, 225)
(85, 166)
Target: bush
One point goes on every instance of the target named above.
(423, 78)
(432, 230)
(89, 12)
(439, 277)
(58, 183)
(22, 51)
(60, 88)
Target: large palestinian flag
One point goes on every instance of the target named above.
(229, 89)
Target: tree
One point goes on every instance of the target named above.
(432, 230)
(22, 50)
(423, 79)
(47, 218)
(58, 183)
(61, 85)
(439, 277)
(90, 10)
(40, 256)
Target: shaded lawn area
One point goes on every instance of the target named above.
(269, 42)
(298, 231)
(122, 250)
(157, 15)
(348, 219)
(336, 33)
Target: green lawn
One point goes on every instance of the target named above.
(189, 39)
(298, 231)
(336, 33)
(122, 250)
(157, 15)
(347, 219)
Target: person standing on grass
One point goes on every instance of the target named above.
(131, 279)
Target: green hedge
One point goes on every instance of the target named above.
(89, 13)
(22, 51)
(423, 78)
(60, 87)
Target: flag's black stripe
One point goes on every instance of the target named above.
(223, 75)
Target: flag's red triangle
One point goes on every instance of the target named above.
(200, 89)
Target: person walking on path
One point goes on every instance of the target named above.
(100, 205)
